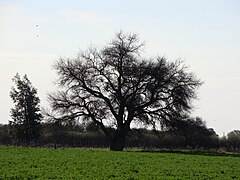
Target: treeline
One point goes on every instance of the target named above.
(26, 128)
(193, 135)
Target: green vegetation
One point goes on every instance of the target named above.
(41, 163)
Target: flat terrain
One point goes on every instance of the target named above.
(40, 163)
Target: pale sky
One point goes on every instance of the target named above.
(204, 33)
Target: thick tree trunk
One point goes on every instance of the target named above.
(117, 143)
(27, 137)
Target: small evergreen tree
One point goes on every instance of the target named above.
(26, 115)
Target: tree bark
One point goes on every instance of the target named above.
(117, 143)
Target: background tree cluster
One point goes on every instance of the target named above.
(53, 135)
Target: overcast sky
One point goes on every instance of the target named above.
(205, 34)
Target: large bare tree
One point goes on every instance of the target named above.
(115, 86)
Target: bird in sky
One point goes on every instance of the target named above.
(37, 27)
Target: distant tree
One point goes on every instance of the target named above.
(116, 86)
(196, 133)
(26, 115)
(233, 139)
(5, 137)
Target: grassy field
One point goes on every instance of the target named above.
(40, 163)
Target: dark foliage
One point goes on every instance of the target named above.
(26, 116)
(195, 133)
(55, 135)
(5, 137)
(232, 141)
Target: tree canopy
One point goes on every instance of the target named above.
(116, 86)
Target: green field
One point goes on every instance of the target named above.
(40, 163)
